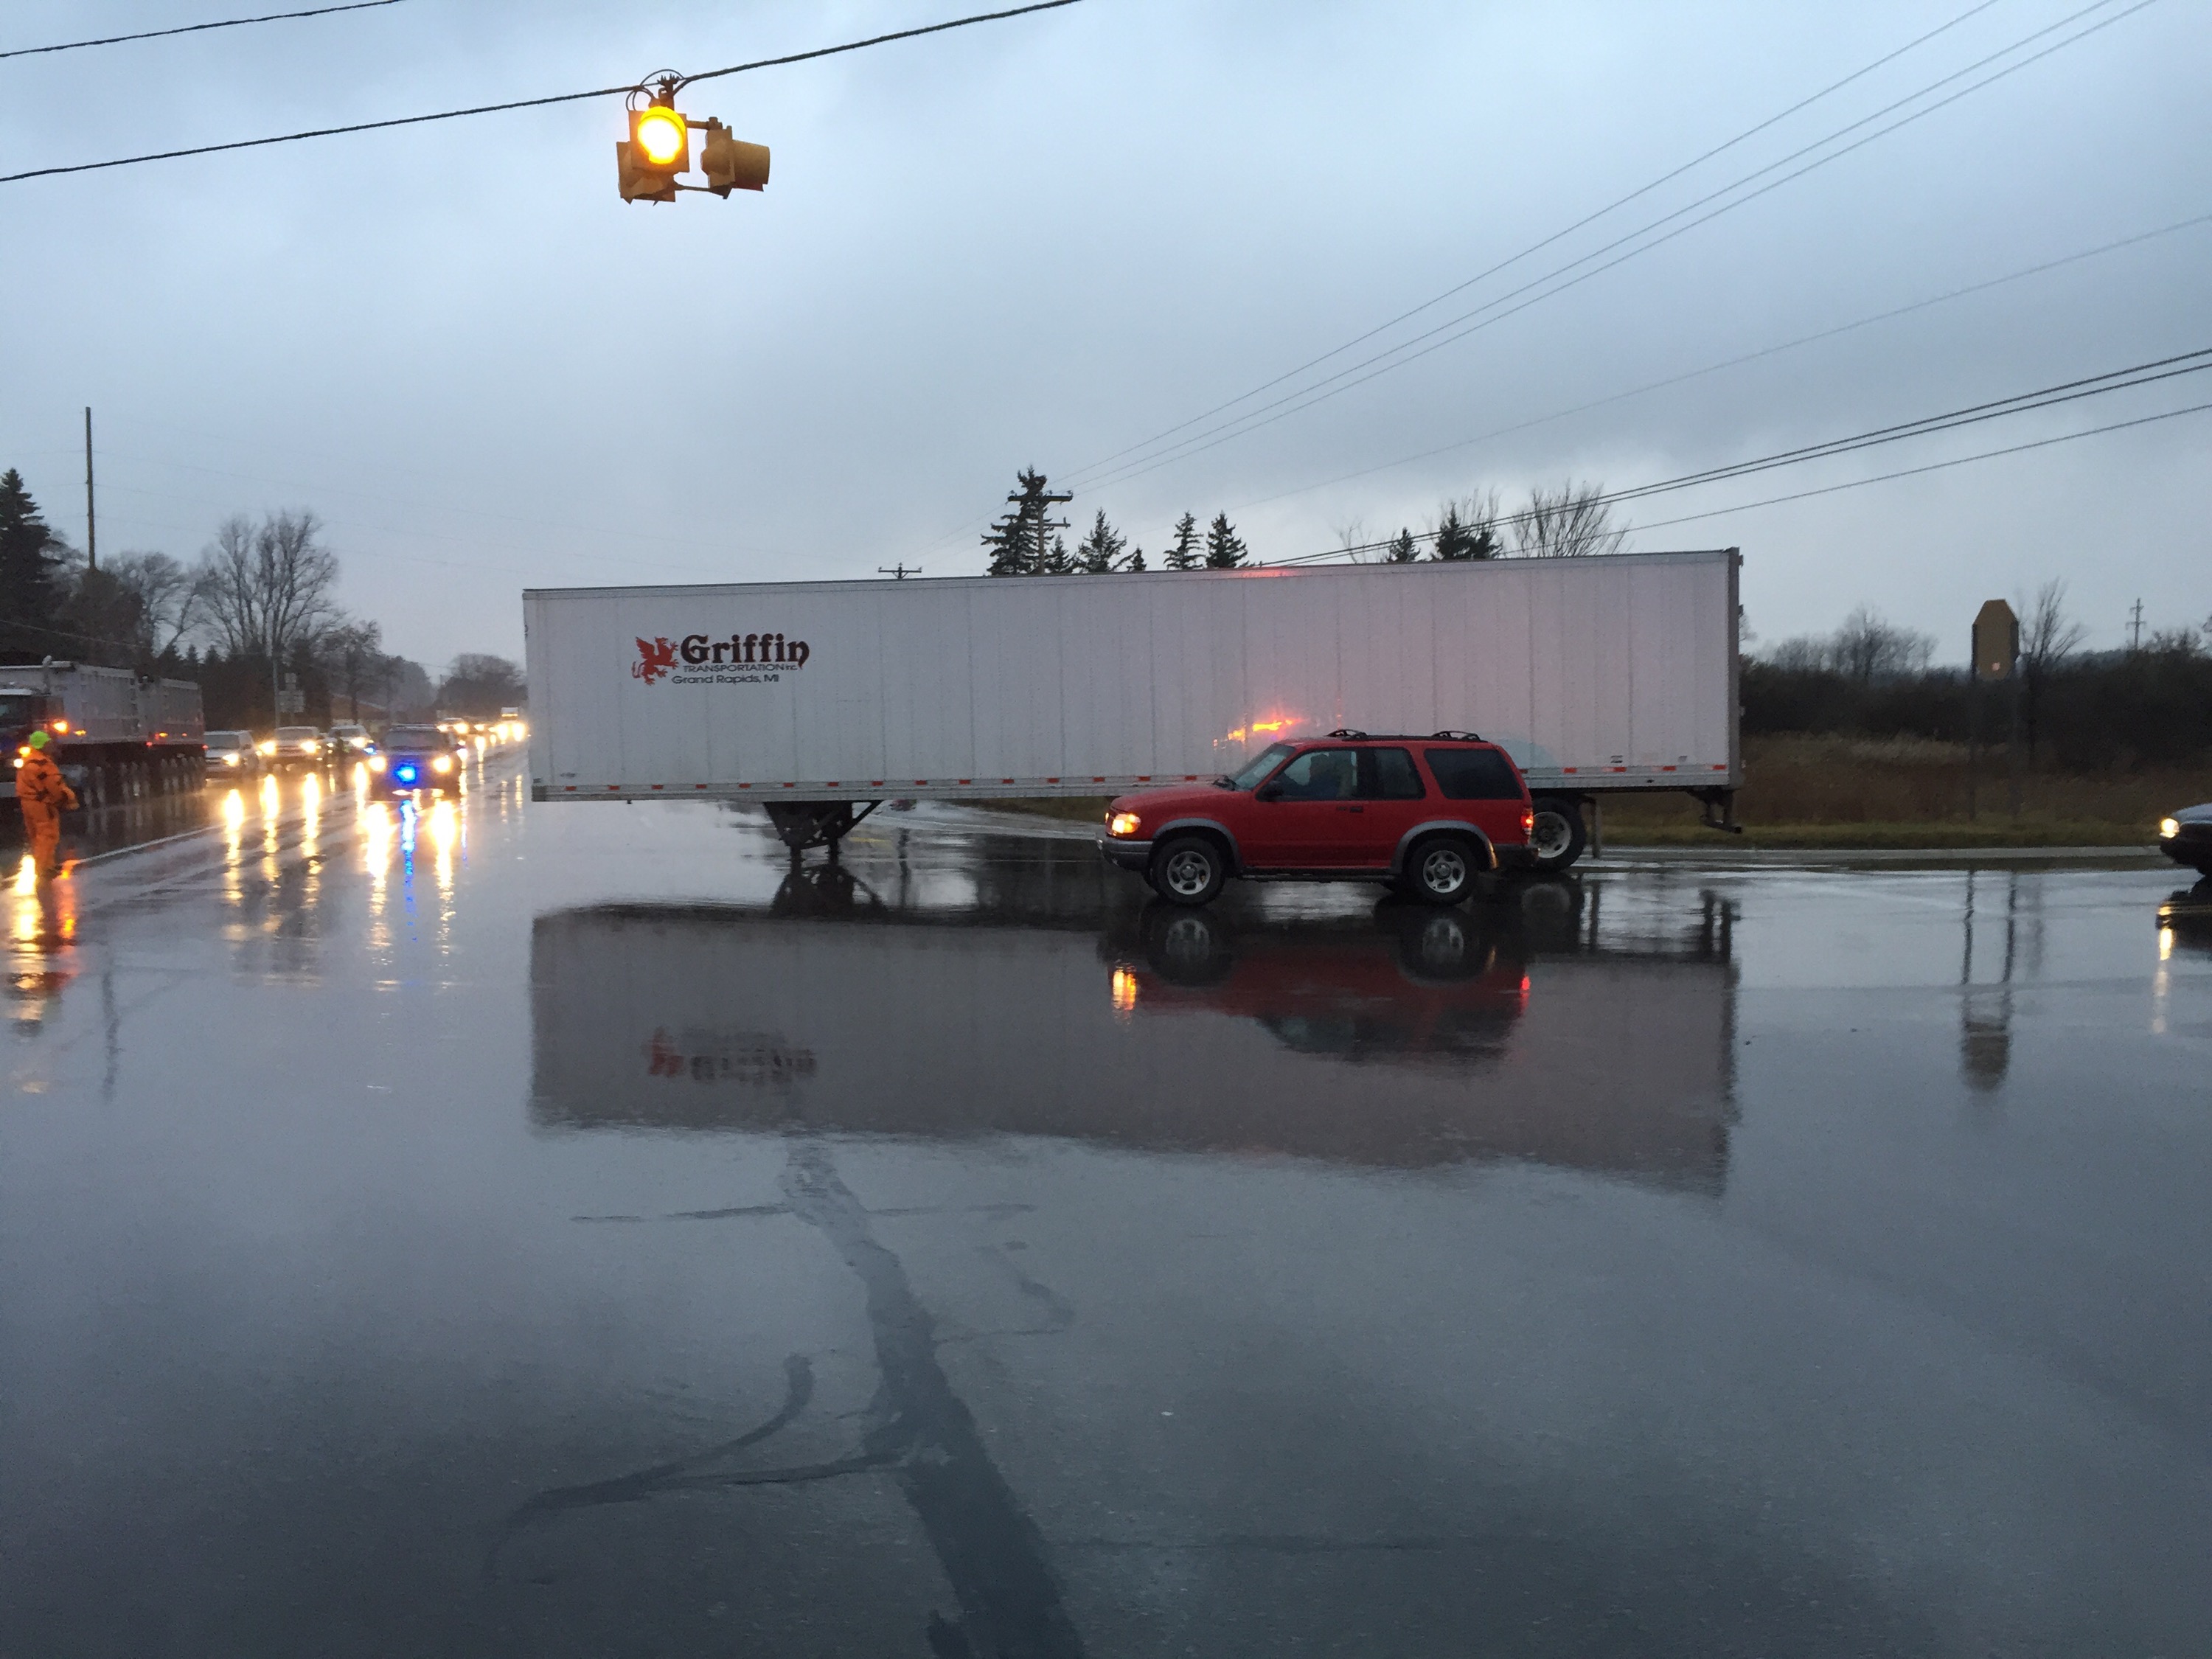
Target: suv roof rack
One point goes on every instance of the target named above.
(1347, 733)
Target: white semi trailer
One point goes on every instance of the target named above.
(818, 699)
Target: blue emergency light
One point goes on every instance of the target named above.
(405, 773)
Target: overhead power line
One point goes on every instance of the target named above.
(2041, 267)
(2066, 392)
(537, 103)
(1934, 466)
(197, 28)
(1564, 276)
(1613, 206)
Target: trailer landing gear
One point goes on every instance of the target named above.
(803, 823)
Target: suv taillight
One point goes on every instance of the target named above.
(1527, 820)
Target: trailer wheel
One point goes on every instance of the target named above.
(1189, 870)
(1442, 869)
(1559, 835)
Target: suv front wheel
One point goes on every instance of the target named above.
(1189, 870)
(1442, 870)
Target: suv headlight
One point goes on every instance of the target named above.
(1123, 824)
(376, 762)
(443, 763)
(2168, 829)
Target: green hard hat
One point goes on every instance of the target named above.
(39, 740)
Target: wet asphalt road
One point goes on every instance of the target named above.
(555, 1230)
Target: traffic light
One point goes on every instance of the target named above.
(730, 162)
(657, 149)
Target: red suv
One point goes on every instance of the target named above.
(1425, 814)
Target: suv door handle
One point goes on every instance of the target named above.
(1352, 809)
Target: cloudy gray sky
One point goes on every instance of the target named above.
(1044, 241)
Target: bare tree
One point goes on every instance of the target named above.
(1569, 522)
(167, 595)
(1352, 540)
(1867, 648)
(265, 589)
(2047, 638)
(354, 648)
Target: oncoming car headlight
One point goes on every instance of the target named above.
(1123, 824)
(2168, 829)
(376, 762)
(232, 759)
(443, 763)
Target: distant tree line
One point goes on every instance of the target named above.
(2080, 711)
(261, 596)
(1572, 519)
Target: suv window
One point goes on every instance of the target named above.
(1472, 774)
(1319, 774)
(1388, 774)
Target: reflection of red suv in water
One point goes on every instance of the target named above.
(1425, 814)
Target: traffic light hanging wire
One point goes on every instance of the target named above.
(198, 28)
(623, 90)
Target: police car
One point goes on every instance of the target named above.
(416, 760)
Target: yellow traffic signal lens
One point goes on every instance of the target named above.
(661, 135)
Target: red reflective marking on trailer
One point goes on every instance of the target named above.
(1097, 780)
(1190, 777)
(570, 787)
(661, 785)
(921, 783)
(1144, 777)
(1006, 780)
(1570, 768)
(614, 785)
(790, 786)
(1719, 766)
(961, 780)
(742, 786)
(1052, 779)
(702, 786)
(1666, 769)
(875, 783)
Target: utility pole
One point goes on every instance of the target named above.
(2134, 627)
(897, 573)
(91, 527)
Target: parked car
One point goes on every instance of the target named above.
(416, 760)
(232, 756)
(1425, 814)
(2186, 838)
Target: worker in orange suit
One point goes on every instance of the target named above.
(44, 794)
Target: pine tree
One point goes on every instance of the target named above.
(1224, 549)
(1056, 560)
(1404, 550)
(1017, 541)
(1134, 564)
(1101, 549)
(1469, 528)
(30, 571)
(1183, 553)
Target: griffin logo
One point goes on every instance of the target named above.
(655, 657)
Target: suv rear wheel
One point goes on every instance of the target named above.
(1189, 870)
(1442, 870)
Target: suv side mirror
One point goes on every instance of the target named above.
(1268, 791)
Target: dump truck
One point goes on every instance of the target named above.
(116, 735)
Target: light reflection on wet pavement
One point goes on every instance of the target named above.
(505, 1229)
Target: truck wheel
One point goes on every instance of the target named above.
(1559, 835)
(1442, 870)
(1189, 870)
